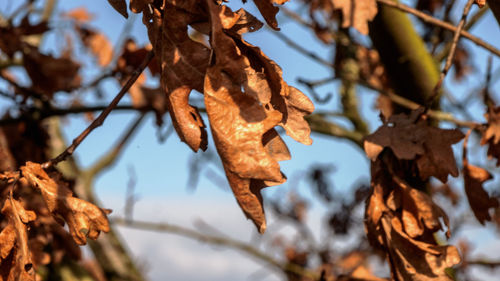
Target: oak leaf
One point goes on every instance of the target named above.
(479, 200)
(419, 213)
(120, 6)
(491, 135)
(183, 66)
(356, 13)
(49, 74)
(413, 260)
(245, 98)
(269, 11)
(21, 267)
(83, 218)
(97, 43)
(409, 137)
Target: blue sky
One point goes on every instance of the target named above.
(162, 169)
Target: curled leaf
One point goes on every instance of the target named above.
(414, 260)
(479, 200)
(22, 265)
(491, 135)
(83, 218)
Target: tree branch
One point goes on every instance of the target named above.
(451, 55)
(217, 240)
(432, 20)
(100, 119)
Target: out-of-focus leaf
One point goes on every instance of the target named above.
(479, 200)
(120, 6)
(356, 14)
(491, 135)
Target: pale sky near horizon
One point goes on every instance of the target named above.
(162, 169)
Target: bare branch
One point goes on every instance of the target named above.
(216, 240)
(100, 119)
(451, 55)
(432, 20)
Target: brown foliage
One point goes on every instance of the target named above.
(245, 98)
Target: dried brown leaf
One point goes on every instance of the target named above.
(411, 259)
(356, 13)
(491, 135)
(138, 6)
(419, 212)
(83, 218)
(79, 14)
(98, 44)
(269, 11)
(7, 240)
(21, 267)
(409, 137)
(183, 66)
(479, 200)
(49, 74)
(245, 98)
(120, 6)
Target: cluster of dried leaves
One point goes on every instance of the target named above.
(244, 92)
(245, 98)
(33, 231)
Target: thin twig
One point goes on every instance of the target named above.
(100, 119)
(302, 50)
(435, 114)
(470, 23)
(430, 19)
(311, 85)
(451, 55)
(216, 240)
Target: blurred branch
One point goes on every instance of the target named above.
(470, 23)
(436, 114)
(432, 20)
(320, 125)
(100, 119)
(487, 263)
(216, 240)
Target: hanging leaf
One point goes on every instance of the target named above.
(491, 135)
(120, 6)
(409, 137)
(83, 218)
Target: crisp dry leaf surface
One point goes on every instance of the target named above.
(183, 66)
(21, 267)
(83, 218)
(413, 260)
(356, 13)
(244, 92)
(401, 221)
(409, 137)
